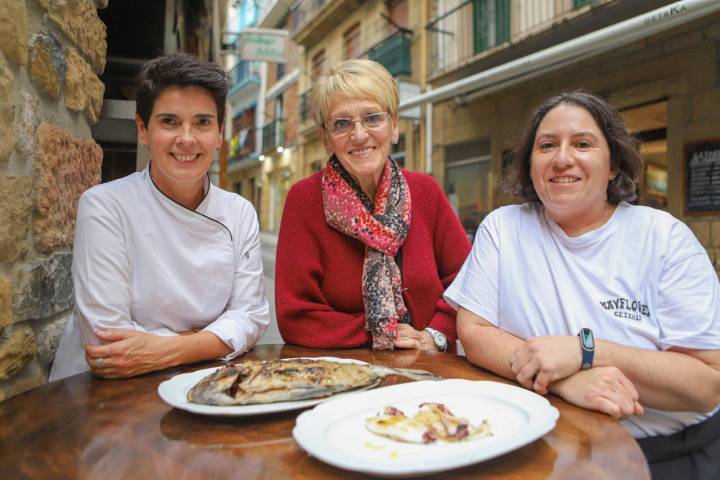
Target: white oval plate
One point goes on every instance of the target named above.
(335, 432)
(174, 392)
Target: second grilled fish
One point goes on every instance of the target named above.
(255, 382)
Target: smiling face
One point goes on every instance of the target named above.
(570, 165)
(362, 152)
(182, 135)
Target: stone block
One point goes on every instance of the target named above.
(47, 64)
(26, 123)
(66, 166)
(83, 89)
(17, 349)
(13, 30)
(33, 375)
(15, 212)
(701, 231)
(47, 336)
(43, 289)
(7, 109)
(80, 22)
(5, 301)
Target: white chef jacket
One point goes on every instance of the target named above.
(143, 262)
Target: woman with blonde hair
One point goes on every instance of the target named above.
(366, 248)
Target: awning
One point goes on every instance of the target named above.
(570, 52)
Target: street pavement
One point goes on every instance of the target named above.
(268, 243)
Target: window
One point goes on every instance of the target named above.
(351, 41)
(491, 23)
(468, 182)
(317, 66)
(649, 124)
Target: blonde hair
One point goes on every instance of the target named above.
(358, 78)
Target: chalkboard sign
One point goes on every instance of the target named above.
(702, 176)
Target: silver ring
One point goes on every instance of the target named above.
(99, 363)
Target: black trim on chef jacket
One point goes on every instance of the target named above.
(188, 209)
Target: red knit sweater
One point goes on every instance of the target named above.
(318, 270)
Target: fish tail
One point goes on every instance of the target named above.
(410, 373)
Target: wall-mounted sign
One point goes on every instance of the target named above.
(264, 44)
(702, 176)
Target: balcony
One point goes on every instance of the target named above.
(313, 20)
(394, 54)
(241, 145)
(474, 29)
(244, 73)
(274, 134)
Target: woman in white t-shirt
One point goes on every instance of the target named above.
(611, 306)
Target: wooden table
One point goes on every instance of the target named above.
(86, 427)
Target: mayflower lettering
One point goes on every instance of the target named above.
(626, 308)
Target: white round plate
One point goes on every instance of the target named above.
(174, 392)
(335, 432)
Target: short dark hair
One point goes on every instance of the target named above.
(625, 160)
(181, 70)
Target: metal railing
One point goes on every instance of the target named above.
(463, 29)
(274, 134)
(241, 145)
(244, 71)
(394, 54)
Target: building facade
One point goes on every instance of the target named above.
(667, 86)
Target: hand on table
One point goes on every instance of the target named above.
(408, 337)
(127, 353)
(544, 360)
(604, 389)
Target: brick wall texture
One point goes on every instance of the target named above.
(51, 54)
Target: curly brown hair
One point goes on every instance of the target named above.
(625, 159)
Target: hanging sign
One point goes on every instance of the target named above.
(264, 44)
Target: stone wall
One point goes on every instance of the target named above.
(51, 54)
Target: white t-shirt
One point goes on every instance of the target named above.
(641, 280)
(143, 262)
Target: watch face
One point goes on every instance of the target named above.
(586, 337)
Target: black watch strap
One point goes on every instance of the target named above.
(587, 346)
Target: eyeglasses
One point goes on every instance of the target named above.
(372, 121)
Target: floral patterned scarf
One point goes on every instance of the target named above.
(382, 228)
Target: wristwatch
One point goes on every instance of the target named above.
(587, 346)
(439, 339)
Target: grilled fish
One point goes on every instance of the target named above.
(271, 381)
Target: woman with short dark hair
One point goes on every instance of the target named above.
(614, 307)
(167, 268)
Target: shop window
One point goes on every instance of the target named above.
(649, 123)
(468, 168)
